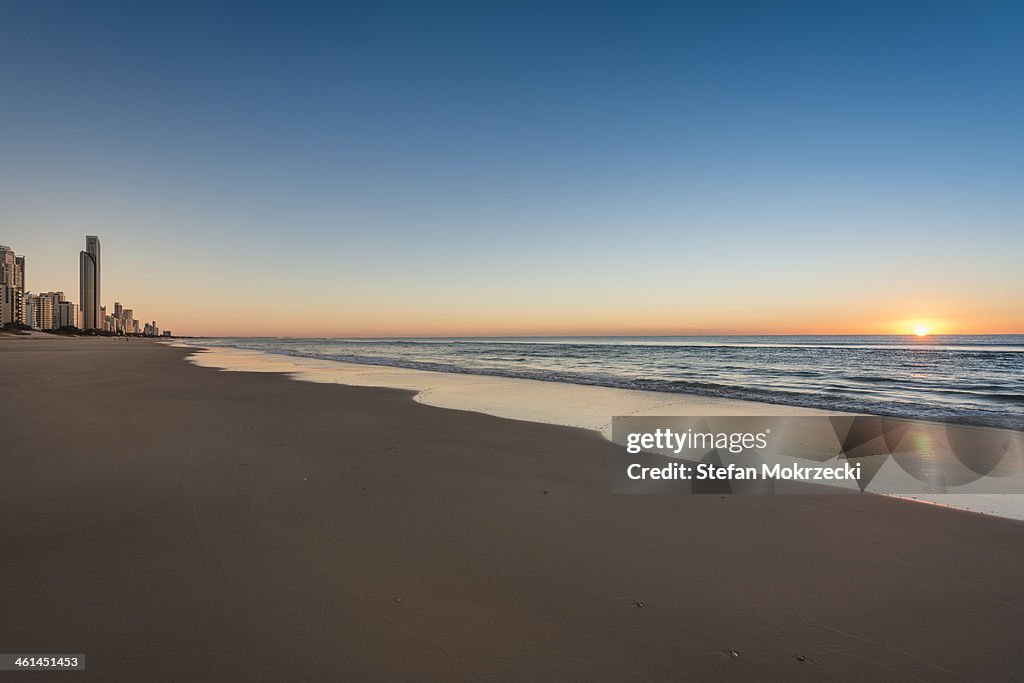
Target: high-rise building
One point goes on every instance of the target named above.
(12, 286)
(8, 305)
(66, 315)
(53, 301)
(8, 266)
(106, 321)
(41, 310)
(31, 306)
(89, 284)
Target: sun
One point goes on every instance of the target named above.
(921, 327)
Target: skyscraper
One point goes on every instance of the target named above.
(12, 286)
(8, 304)
(19, 261)
(66, 315)
(89, 284)
(9, 266)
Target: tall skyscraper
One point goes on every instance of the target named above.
(89, 284)
(19, 261)
(12, 286)
(9, 266)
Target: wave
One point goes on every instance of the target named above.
(988, 404)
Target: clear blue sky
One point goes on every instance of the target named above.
(430, 168)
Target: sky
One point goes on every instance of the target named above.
(436, 169)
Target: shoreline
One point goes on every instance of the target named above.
(184, 523)
(565, 404)
(562, 404)
(873, 375)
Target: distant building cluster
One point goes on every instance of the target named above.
(52, 310)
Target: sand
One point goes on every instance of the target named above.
(592, 407)
(176, 522)
(571, 405)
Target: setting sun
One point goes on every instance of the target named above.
(921, 326)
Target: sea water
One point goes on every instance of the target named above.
(976, 379)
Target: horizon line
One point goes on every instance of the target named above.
(605, 336)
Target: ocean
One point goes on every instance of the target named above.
(975, 379)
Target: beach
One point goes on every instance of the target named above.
(177, 522)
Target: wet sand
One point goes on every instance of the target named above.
(176, 522)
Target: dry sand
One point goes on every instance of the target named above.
(175, 522)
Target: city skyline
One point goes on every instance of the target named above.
(23, 308)
(550, 170)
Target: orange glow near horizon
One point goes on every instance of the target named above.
(408, 323)
(927, 327)
(420, 301)
(401, 313)
(517, 306)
